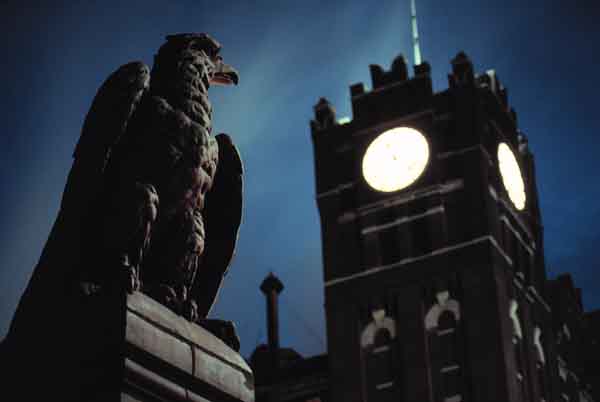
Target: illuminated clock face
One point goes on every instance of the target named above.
(511, 176)
(395, 159)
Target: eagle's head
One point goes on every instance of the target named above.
(209, 48)
(199, 52)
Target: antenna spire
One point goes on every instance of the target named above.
(415, 33)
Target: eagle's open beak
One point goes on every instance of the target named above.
(224, 74)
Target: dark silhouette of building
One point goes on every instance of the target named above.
(433, 254)
(282, 374)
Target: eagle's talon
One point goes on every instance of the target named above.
(190, 310)
(166, 296)
(132, 281)
(137, 284)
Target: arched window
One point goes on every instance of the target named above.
(380, 321)
(446, 352)
(517, 341)
(448, 343)
(380, 372)
(515, 319)
(382, 338)
(447, 321)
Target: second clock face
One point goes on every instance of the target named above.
(511, 176)
(395, 159)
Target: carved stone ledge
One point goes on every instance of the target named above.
(170, 357)
(117, 347)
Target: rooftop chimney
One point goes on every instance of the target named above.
(271, 287)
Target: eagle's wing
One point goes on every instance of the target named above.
(222, 216)
(104, 125)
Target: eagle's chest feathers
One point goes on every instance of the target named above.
(179, 152)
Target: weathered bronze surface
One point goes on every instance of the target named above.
(152, 198)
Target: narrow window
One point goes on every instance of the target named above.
(442, 323)
(381, 372)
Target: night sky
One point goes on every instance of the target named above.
(290, 53)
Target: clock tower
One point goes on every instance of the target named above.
(432, 243)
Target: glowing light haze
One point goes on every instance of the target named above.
(56, 54)
(395, 159)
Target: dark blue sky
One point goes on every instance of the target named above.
(289, 53)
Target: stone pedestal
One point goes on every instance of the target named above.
(121, 348)
(168, 358)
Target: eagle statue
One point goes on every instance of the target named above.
(153, 201)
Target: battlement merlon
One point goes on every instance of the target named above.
(408, 95)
